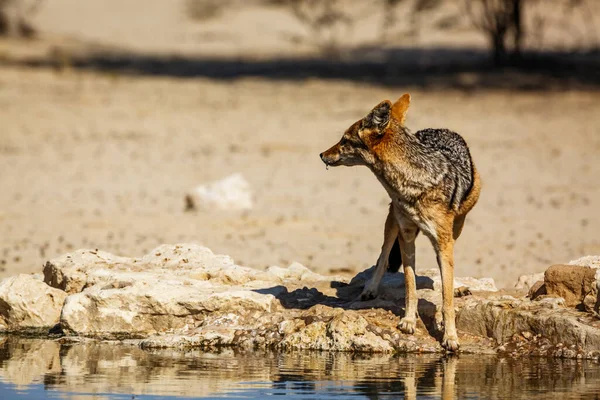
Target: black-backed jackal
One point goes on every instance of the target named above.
(432, 183)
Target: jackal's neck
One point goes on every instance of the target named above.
(397, 164)
(395, 151)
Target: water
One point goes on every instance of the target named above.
(45, 369)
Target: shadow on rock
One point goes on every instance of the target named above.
(346, 296)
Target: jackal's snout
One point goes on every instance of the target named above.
(331, 156)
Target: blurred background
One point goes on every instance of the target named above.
(112, 112)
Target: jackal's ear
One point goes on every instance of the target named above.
(379, 117)
(400, 108)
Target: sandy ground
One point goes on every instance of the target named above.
(103, 160)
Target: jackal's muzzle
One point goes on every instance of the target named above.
(331, 157)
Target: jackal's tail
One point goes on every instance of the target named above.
(395, 258)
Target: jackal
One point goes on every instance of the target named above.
(433, 184)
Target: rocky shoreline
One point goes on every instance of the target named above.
(184, 296)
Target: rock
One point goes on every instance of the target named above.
(184, 295)
(295, 271)
(72, 271)
(462, 291)
(591, 302)
(571, 282)
(76, 271)
(173, 288)
(528, 280)
(27, 304)
(230, 193)
(187, 297)
(144, 308)
(344, 331)
(392, 284)
(587, 261)
(501, 319)
(538, 289)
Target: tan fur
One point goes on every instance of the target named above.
(473, 196)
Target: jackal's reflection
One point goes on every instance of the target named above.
(418, 376)
(115, 368)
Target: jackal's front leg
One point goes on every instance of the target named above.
(389, 237)
(408, 234)
(445, 258)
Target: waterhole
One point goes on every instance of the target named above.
(47, 369)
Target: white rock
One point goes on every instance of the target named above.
(28, 303)
(172, 288)
(184, 295)
(426, 279)
(147, 308)
(587, 261)
(75, 271)
(230, 193)
(299, 272)
(528, 280)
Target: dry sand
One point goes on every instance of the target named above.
(103, 160)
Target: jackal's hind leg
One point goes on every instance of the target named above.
(459, 222)
(445, 257)
(389, 237)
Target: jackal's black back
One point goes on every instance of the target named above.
(460, 165)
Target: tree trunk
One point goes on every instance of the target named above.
(498, 47)
(517, 26)
(9, 19)
(13, 19)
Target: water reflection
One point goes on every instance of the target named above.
(48, 369)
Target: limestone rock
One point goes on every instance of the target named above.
(296, 271)
(528, 280)
(174, 288)
(502, 318)
(587, 261)
(76, 271)
(392, 284)
(27, 303)
(186, 296)
(145, 308)
(230, 193)
(71, 271)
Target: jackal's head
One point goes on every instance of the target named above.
(355, 147)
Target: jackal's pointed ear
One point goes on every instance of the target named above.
(379, 117)
(400, 108)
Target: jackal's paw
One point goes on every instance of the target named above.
(407, 326)
(369, 293)
(450, 343)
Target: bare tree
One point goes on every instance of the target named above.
(15, 15)
(327, 20)
(498, 19)
(331, 21)
(503, 22)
